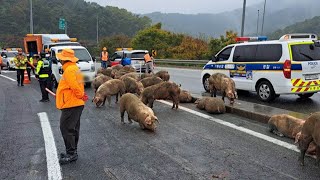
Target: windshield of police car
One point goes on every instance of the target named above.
(81, 54)
(305, 52)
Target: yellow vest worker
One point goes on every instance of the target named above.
(70, 100)
(20, 61)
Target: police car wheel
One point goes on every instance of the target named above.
(265, 91)
(307, 95)
(205, 82)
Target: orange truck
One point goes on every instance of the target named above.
(35, 43)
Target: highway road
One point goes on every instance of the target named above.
(190, 79)
(188, 143)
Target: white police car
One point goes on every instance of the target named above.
(290, 65)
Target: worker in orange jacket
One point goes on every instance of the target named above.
(70, 99)
(1, 63)
(148, 62)
(105, 58)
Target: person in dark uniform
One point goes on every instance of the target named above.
(43, 73)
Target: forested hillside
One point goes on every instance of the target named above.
(307, 26)
(81, 20)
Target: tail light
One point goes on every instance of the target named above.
(287, 69)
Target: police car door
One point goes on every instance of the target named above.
(308, 79)
(221, 61)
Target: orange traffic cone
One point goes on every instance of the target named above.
(26, 78)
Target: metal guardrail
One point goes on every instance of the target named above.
(175, 61)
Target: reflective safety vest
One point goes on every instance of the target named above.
(31, 62)
(1, 61)
(43, 68)
(20, 61)
(104, 56)
(147, 58)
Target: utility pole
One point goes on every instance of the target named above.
(258, 22)
(243, 16)
(98, 29)
(31, 18)
(264, 11)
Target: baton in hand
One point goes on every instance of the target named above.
(50, 92)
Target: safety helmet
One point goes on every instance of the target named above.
(42, 54)
(104, 48)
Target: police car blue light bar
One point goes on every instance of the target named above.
(258, 38)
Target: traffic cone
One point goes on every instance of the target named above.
(26, 78)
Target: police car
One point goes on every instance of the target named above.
(290, 65)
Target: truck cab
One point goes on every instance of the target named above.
(86, 63)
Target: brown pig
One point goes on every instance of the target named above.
(106, 72)
(221, 82)
(185, 97)
(128, 68)
(164, 90)
(117, 67)
(312, 146)
(145, 75)
(137, 111)
(285, 125)
(310, 132)
(132, 85)
(99, 80)
(118, 74)
(211, 105)
(133, 75)
(149, 81)
(164, 75)
(108, 89)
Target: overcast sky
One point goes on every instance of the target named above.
(176, 6)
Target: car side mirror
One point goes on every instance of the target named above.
(4, 56)
(93, 59)
(214, 59)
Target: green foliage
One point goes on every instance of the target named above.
(81, 18)
(115, 41)
(307, 26)
(216, 44)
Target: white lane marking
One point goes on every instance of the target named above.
(7, 77)
(53, 166)
(242, 129)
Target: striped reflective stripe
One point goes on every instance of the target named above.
(43, 75)
(304, 86)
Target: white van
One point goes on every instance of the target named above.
(85, 63)
(290, 65)
(136, 56)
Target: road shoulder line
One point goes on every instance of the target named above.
(7, 77)
(242, 129)
(53, 166)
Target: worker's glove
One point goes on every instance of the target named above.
(85, 97)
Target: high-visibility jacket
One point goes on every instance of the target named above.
(70, 90)
(20, 61)
(1, 61)
(43, 69)
(30, 61)
(147, 58)
(104, 56)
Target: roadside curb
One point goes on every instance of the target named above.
(254, 111)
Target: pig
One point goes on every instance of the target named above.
(285, 125)
(133, 75)
(149, 81)
(221, 82)
(108, 89)
(137, 111)
(185, 97)
(118, 74)
(99, 80)
(132, 85)
(310, 132)
(312, 146)
(211, 105)
(164, 90)
(129, 69)
(164, 75)
(145, 75)
(117, 67)
(107, 72)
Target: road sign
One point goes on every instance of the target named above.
(62, 23)
(154, 52)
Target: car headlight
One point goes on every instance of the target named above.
(92, 68)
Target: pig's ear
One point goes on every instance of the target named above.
(156, 119)
(148, 120)
(297, 137)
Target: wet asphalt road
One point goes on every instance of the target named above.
(190, 79)
(184, 146)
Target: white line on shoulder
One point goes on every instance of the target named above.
(53, 166)
(242, 129)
